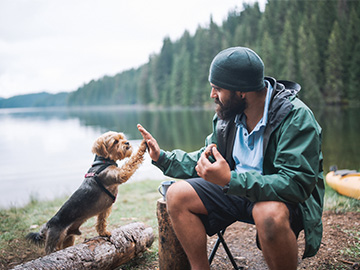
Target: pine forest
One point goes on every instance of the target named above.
(315, 43)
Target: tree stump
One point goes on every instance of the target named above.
(125, 243)
(171, 254)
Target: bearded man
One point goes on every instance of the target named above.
(265, 168)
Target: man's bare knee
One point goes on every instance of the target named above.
(276, 210)
(176, 191)
(182, 196)
(271, 218)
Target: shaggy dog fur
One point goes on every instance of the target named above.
(89, 199)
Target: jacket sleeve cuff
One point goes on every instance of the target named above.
(236, 186)
(160, 161)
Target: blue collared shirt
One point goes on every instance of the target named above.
(248, 148)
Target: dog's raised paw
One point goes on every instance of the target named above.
(143, 146)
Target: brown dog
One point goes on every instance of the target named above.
(96, 194)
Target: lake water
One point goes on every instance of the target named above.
(45, 153)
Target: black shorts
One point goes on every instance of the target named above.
(223, 209)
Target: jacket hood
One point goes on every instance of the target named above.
(279, 108)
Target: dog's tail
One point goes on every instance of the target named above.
(38, 238)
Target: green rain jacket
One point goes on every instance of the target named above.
(292, 167)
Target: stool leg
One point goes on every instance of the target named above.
(215, 248)
(227, 250)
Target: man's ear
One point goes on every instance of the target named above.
(240, 94)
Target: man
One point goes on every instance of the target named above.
(266, 168)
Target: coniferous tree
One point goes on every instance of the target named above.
(246, 31)
(287, 62)
(229, 27)
(186, 49)
(144, 93)
(272, 26)
(240, 36)
(175, 81)
(322, 27)
(334, 87)
(273, 18)
(351, 53)
(155, 96)
(354, 75)
(216, 38)
(163, 70)
(187, 81)
(309, 65)
(202, 58)
(268, 55)
(253, 20)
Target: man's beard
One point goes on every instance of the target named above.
(231, 107)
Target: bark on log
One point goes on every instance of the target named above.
(171, 254)
(125, 243)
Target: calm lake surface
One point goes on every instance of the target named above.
(44, 153)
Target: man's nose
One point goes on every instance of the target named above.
(213, 93)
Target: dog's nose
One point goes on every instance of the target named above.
(127, 143)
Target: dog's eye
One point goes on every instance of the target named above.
(115, 142)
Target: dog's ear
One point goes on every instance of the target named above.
(99, 148)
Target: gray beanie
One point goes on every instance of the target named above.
(237, 69)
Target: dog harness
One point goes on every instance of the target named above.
(97, 167)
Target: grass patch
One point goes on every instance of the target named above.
(353, 251)
(17, 221)
(136, 202)
(339, 203)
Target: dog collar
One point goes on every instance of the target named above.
(103, 161)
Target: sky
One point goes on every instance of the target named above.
(60, 45)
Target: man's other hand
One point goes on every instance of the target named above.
(218, 172)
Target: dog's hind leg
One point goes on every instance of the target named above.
(102, 223)
(54, 238)
(68, 241)
(70, 234)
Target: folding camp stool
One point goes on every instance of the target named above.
(227, 250)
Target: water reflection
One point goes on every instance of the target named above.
(47, 151)
(341, 136)
(182, 128)
(186, 129)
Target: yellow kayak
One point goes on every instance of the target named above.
(345, 182)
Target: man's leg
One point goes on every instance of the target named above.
(277, 240)
(184, 205)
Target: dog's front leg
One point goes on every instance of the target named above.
(129, 168)
(102, 223)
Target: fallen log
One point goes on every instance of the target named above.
(125, 243)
